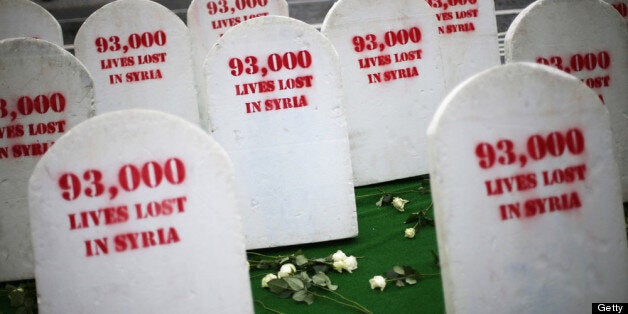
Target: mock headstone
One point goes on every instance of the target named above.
(139, 54)
(393, 82)
(468, 37)
(275, 105)
(134, 212)
(526, 195)
(44, 91)
(621, 6)
(591, 44)
(23, 18)
(209, 20)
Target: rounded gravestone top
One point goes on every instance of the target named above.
(460, 105)
(139, 54)
(536, 26)
(23, 18)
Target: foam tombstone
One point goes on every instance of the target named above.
(275, 105)
(393, 80)
(526, 194)
(587, 39)
(140, 56)
(134, 211)
(44, 92)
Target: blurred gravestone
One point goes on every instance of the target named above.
(134, 212)
(140, 57)
(44, 91)
(468, 37)
(275, 104)
(591, 43)
(23, 18)
(526, 195)
(393, 81)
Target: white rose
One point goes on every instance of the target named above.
(339, 256)
(339, 266)
(267, 278)
(351, 263)
(286, 270)
(410, 232)
(399, 203)
(378, 282)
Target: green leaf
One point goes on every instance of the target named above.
(409, 271)
(411, 281)
(320, 279)
(320, 268)
(309, 299)
(414, 217)
(303, 276)
(295, 283)
(283, 260)
(391, 274)
(301, 260)
(399, 270)
(277, 286)
(387, 199)
(300, 295)
(286, 294)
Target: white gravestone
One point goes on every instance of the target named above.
(468, 37)
(526, 195)
(139, 54)
(621, 6)
(275, 104)
(393, 81)
(44, 91)
(23, 18)
(208, 20)
(587, 39)
(134, 212)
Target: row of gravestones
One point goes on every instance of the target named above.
(131, 187)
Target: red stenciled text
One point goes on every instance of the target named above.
(622, 8)
(224, 8)
(581, 65)
(134, 41)
(121, 214)
(132, 241)
(27, 106)
(129, 178)
(277, 63)
(455, 19)
(538, 147)
(393, 38)
(539, 206)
